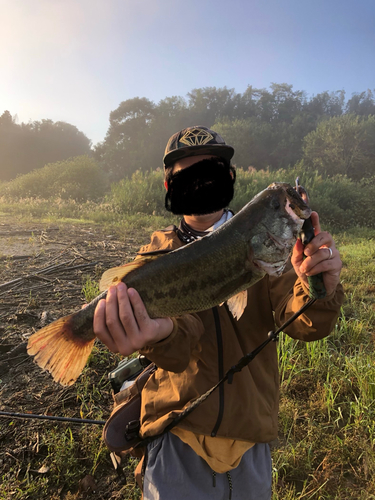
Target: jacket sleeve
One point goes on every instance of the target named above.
(288, 294)
(173, 353)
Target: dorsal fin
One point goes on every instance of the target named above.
(237, 304)
(116, 274)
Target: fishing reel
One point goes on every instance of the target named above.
(127, 371)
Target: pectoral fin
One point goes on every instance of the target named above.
(237, 304)
(116, 274)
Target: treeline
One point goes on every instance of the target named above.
(28, 146)
(269, 128)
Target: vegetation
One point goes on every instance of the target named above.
(75, 189)
(32, 145)
(269, 128)
(266, 127)
(79, 178)
(327, 411)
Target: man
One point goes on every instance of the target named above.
(221, 449)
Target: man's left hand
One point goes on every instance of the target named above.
(322, 256)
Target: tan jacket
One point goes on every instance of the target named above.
(203, 346)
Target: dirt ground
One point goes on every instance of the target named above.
(42, 271)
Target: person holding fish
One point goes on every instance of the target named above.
(198, 298)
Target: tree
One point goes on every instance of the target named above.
(361, 104)
(209, 104)
(342, 145)
(26, 147)
(126, 147)
(326, 104)
(252, 141)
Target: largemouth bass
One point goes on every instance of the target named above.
(205, 273)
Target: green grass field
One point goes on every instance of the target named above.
(326, 439)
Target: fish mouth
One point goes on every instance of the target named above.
(291, 210)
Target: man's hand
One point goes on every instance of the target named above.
(121, 322)
(318, 258)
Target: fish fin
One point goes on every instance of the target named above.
(237, 304)
(56, 349)
(116, 274)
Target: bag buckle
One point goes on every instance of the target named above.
(132, 429)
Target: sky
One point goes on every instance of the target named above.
(77, 60)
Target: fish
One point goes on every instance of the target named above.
(205, 273)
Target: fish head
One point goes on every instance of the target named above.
(283, 213)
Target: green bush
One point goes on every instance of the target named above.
(143, 192)
(79, 178)
(75, 188)
(340, 202)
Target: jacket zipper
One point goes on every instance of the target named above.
(219, 338)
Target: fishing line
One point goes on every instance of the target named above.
(52, 417)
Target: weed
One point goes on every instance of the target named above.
(90, 288)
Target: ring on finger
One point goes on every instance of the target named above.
(330, 253)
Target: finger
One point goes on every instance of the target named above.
(125, 311)
(297, 255)
(322, 239)
(325, 266)
(315, 222)
(139, 309)
(100, 326)
(320, 262)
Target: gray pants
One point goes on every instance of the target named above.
(175, 472)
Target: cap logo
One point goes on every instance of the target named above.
(196, 137)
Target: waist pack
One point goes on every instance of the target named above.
(121, 431)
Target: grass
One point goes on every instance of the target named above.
(326, 439)
(327, 406)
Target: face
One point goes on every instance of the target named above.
(187, 162)
(199, 185)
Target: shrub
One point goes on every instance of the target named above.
(340, 202)
(79, 178)
(143, 192)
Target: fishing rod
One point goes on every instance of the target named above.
(52, 417)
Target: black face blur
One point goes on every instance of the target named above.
(203, 188)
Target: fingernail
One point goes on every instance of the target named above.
(121, 286)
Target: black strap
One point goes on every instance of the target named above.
(244, 361)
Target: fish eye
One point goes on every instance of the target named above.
(292, 206)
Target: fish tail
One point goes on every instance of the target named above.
(58, 349)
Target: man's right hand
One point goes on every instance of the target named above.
(122, 323)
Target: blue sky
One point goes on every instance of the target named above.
(76, 60)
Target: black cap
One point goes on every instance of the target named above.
(194, 141)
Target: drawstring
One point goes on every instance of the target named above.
(229, 482)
